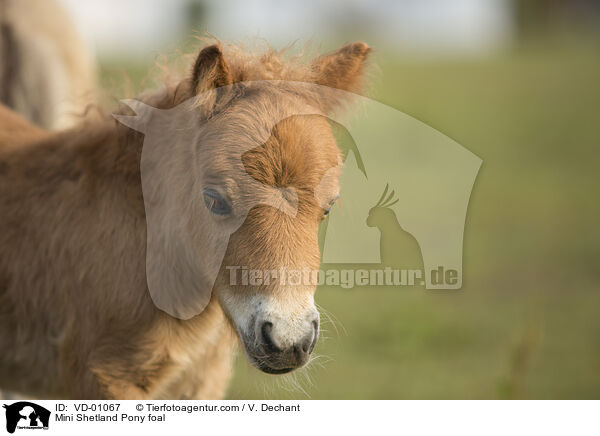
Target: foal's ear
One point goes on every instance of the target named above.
(211, 70)
(344, 68)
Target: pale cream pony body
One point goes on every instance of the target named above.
(47, 73)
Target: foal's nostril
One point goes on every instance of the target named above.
(305, 346)
(315, 325)
(303, 349)
(266, 332)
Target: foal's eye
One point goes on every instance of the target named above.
(216, 203)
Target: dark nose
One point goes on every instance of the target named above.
(295, 355)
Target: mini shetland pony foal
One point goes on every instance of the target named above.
(76, 318)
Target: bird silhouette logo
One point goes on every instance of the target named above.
(398, 248)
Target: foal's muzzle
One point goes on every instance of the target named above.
(279, 348)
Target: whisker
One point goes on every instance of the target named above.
(333, 320)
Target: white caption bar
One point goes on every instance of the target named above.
(301, 417)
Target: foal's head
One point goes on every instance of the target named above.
(266, 169)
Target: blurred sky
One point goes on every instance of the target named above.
(138, 29)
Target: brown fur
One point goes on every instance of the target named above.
(76, 319)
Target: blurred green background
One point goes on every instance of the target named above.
(527, 322)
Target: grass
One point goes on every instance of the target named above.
(527, 322)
